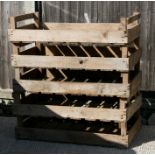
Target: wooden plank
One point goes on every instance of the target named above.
(83, 26)
(134, 130)
(134, 107)
(26, 16)
(90, 63)
(134, 59)
(68, 36)
(6, 93)
(70, 136)
(80, 88)
(133, 33)
(123, 124)
(135, 84)
(15, 48)
(134, 17)
(125, 80)
(28, 26)
(69, 112)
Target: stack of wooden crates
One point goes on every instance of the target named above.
(76, 82)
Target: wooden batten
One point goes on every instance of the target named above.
(6, 93)
(83, 26)
(26, 16)
(69, 112)
(76, 88)
(133, 107)
(88, 63)
(70, 36)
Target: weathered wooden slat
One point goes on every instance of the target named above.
(26, 16)
(87, 113)
(27, 26)
(77, 88)
(83, 26)
(133, 107)
(81, 36)
(134, 59)
(70, 136)
(133, 33)
(90, 63)
(6, 93)
(135, 85)
(69, 112)
(133, 18)
(134, 130)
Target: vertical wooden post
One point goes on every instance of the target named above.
(123, 102)
(15, 50)
(125, 78)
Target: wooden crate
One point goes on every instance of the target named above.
(85, 62)
(80, 132)
(77, 107)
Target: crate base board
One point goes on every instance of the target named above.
(78, 137)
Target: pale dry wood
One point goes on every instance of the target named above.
(28, 26)
(70, 136)
(80, 88)
(125, 75)
(98, 51)
(6, 93)
(83, 26)
(70, 36)
(112, 52)
(69, 112)
(12, 23)
(28, 71)
(83, 49)
(134, 107)
(123, 123)
(90, 63)
(123, 26)
(15, 49)
(125, 80)
(72, 50)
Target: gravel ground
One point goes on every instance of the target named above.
(143, 143)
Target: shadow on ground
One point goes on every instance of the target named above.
(143, 143)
